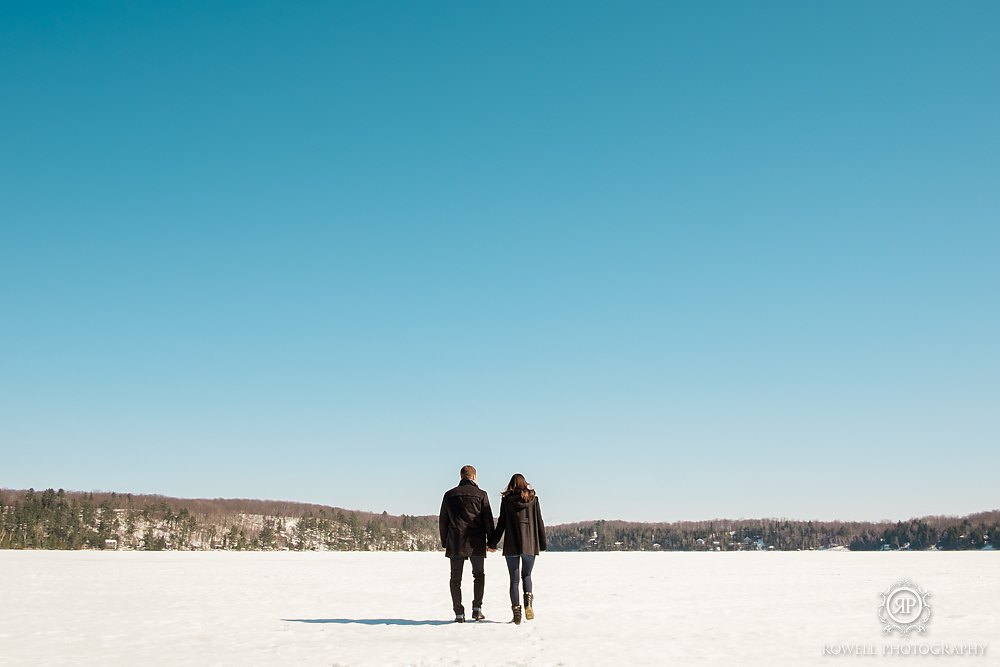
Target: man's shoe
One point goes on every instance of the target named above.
(460, 618)
(529, 613)
(477, 615)
(516, 608)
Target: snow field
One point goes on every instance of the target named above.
(252, 608)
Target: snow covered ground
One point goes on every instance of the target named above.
(228, 608)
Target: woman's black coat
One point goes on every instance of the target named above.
(522, 523)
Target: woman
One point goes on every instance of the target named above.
(521, 519)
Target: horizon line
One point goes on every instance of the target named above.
(562, 523)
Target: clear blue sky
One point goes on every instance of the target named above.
(669, 261)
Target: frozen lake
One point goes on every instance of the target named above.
(173, 608)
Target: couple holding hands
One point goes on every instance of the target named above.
(467, 532)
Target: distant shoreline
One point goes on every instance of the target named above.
(73, 520)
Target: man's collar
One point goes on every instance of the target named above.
(466, 482)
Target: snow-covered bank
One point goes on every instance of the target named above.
(124, 608)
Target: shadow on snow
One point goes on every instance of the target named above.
(366, 621)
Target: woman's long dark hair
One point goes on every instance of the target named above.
(519, 485)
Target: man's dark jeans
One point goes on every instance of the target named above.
(519, 567)
(478, 579)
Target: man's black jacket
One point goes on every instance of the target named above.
(466, 521)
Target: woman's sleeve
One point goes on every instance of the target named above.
(501, 520)
(541, 526)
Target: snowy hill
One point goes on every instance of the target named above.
(70, 520)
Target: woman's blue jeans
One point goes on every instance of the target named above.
(519, 568)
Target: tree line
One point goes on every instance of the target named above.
(975, 531)
(54, 519)
(57, 519)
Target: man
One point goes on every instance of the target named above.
(466, 525)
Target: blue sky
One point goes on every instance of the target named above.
(668, 261)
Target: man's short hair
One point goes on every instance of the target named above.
(468, 472)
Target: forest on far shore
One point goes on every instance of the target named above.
(58, 519)
(61, 519)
